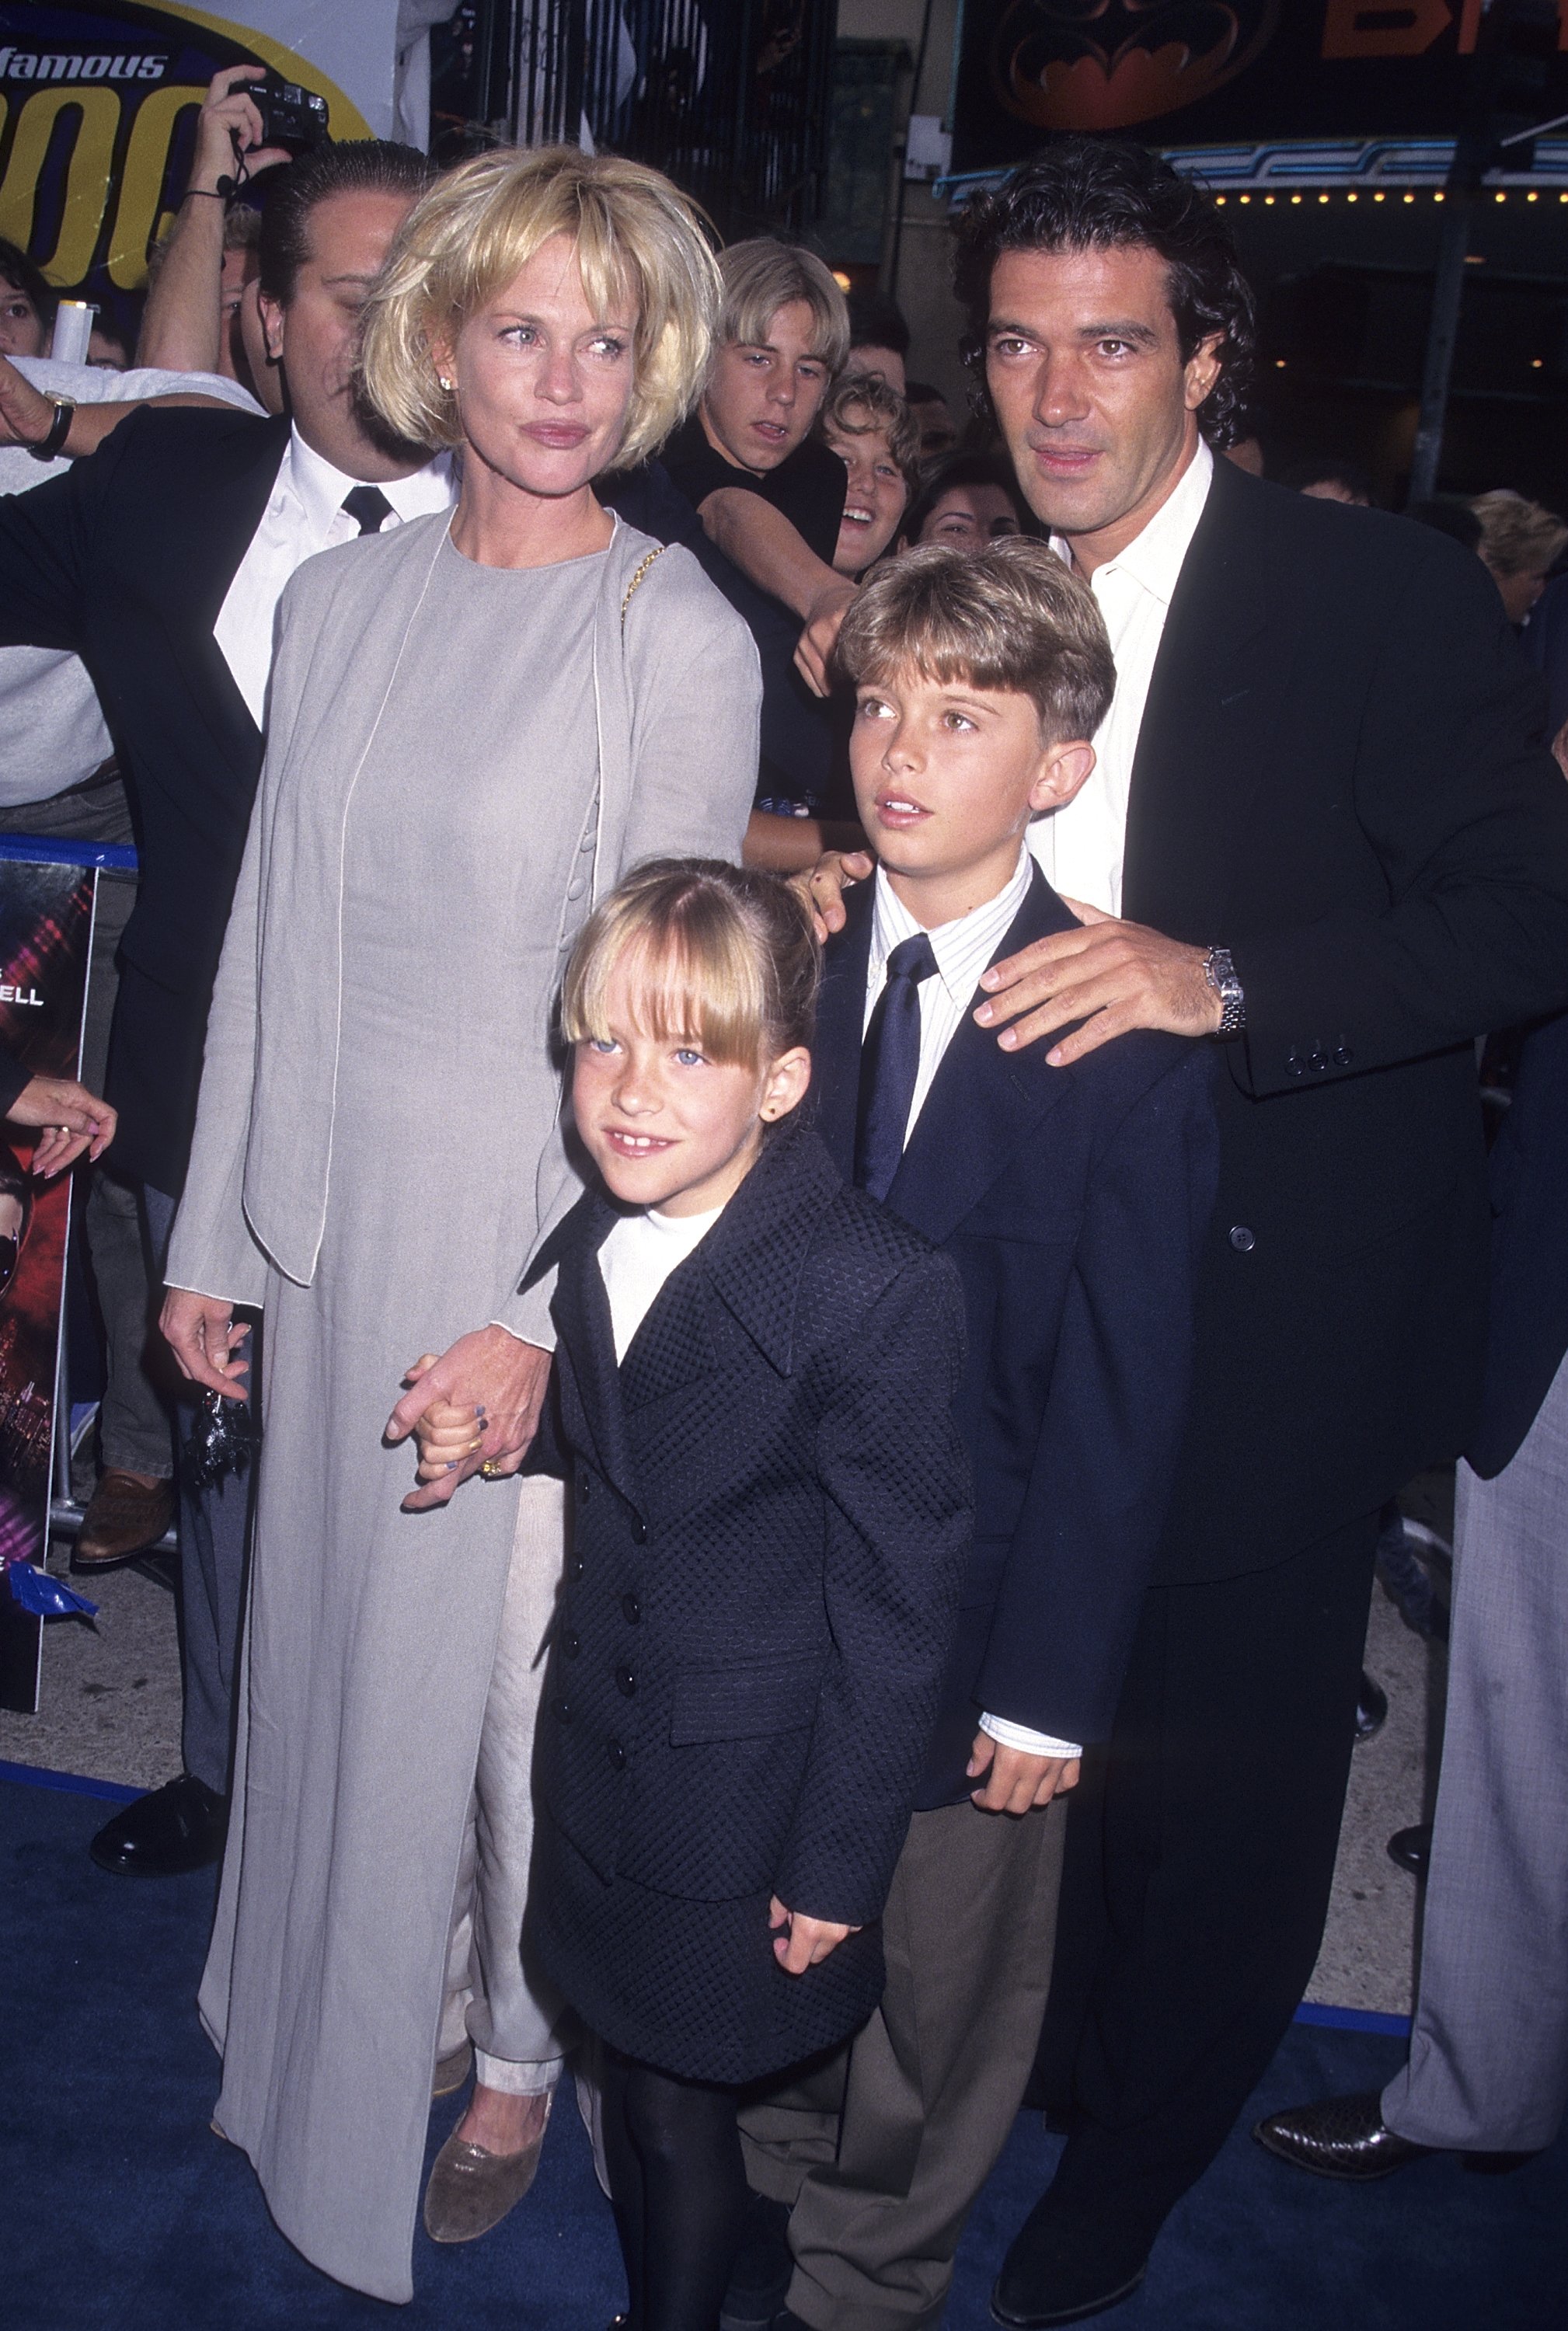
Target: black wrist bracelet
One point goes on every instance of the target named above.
(59, 430)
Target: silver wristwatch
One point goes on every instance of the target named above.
(1221, 973)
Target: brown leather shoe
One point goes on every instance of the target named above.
(471, 2189)
(124, 1519)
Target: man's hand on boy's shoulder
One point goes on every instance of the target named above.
(1113, 975)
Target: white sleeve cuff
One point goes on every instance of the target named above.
(517, 1337)
(1028, 1742)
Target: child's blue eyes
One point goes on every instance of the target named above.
(687, 1058)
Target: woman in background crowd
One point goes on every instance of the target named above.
(973, 501)
(1520, 544)
(477, 723)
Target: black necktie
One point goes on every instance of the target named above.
(368, 507)
(889, 1063)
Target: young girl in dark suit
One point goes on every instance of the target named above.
(772, 1509)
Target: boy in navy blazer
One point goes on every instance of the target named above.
(1073, 1201)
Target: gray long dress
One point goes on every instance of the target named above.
(470, 822)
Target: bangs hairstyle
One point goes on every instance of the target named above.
(1107, 194)
(639, 239)
(723, 955)
(1011, 617)
(764, 275)
(861, 403)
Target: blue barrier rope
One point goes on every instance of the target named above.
(44, 851)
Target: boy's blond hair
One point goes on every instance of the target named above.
(1012, 617)
(723, 955)
(1518, 536)
(764, 275)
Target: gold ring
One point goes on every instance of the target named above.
(489, 1470)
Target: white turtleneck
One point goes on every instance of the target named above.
(639, 1256)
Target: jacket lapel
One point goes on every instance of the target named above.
(591, 1388)
(841, 1026)
(983, 1101)
(204, 559)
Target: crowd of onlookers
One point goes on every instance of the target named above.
(268, 413)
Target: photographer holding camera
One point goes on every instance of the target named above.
(203, 311)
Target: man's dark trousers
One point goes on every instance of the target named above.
(214, 1528)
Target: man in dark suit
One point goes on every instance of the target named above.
(160, 561)
(1074, 1207)
(1322, 832)
(1488, 2072)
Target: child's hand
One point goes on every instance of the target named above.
(809, 1940)
(446, 1434)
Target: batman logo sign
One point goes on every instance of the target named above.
(1104, 64)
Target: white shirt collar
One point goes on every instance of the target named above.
(1154, 559)
(964, 947)
(318, 488)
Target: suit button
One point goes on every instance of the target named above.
(1319, 1058)
(583, 1489)
(639, 1531)
(625, 1682)
(617, 1755)
(631, 1610)
(1241, 1238)
(563, 1711)
(576, 1566)
(1342, 1056)
(571, 1643)
(1294, 1063)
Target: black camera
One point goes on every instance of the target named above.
(292, 117)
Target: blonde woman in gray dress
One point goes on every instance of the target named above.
(478, 723)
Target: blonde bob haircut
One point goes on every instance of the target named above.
(1012, 617)
(1518, 536)
(639, 239)
(721, 956)
(764, 275)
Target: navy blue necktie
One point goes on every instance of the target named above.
(889, 1064)
(368, 507)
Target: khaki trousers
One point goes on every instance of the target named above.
(519, 2024)
(881, 2153)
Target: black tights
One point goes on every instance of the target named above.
(679, 2188)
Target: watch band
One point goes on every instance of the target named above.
(1221, 973)
(59, 429)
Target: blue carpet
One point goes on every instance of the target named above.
(122, 2212)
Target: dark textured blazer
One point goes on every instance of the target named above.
(125, 560)
(1339, 776)
(772, 1517)
(1527, 1320)
(1073, 1203)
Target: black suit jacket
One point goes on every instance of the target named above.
(772, 1517)
(125, 560)
(1073, 1203)
(1527, 1320)
(1338, 776)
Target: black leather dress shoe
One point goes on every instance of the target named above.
(1342, 2137)
(1062, 2270)
(1411, 1848)
(1371, 1709)
(175, 1829)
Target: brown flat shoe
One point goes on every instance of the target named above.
(471, 2189)
(124, 1519)
(452, 2070)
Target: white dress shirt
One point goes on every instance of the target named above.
(639, 1256)
(304, 513)
(1081, 848)
(962, 949)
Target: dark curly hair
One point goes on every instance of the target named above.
(1104, 194)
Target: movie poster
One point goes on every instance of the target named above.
(45, 930)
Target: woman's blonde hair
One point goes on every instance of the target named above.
(1518, 536)
(637, 238)
(764, 275)
(723, 955)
